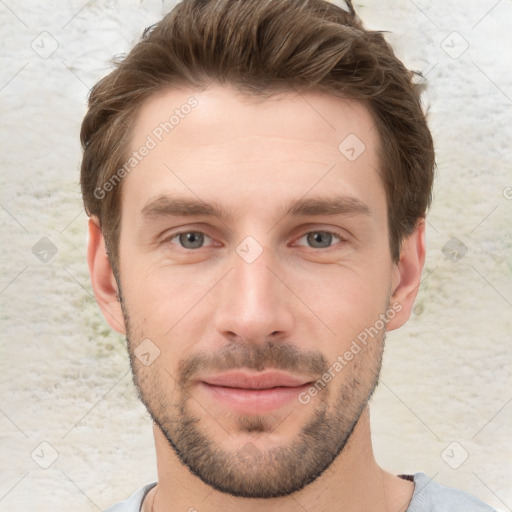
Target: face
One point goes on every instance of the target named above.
(254, 239)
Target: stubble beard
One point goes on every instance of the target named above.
(251, 471)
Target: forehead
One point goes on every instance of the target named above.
(220, 111)
(225, 146)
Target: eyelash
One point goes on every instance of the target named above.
(336, 234)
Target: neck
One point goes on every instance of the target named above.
(354, 482)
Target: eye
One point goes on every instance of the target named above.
(189, 239)
(321, 239)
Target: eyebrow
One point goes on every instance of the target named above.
(180, 206)
(338, 205)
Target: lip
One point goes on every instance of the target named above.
(253, 394)
(267, 380)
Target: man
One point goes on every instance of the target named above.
(257, 176)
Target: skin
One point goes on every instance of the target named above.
(297, 306)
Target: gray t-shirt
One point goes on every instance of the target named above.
(428, 496)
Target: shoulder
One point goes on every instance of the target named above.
(133, 503)
(429, 496)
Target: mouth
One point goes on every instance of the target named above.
(254, 394)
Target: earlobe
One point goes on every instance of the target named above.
(102, 278)
(407, 275)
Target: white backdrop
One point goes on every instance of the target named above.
(74, 436)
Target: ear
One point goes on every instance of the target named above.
(407, 276)
(102, 277)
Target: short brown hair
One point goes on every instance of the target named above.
(263, 47)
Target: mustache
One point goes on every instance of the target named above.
(259, 357)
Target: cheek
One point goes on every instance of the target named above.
(347, 300)
(168, 306)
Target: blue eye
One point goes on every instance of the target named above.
(320, 239)
(190, 239)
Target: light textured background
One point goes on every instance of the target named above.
(65, 378)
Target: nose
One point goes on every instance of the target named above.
(254, 301)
